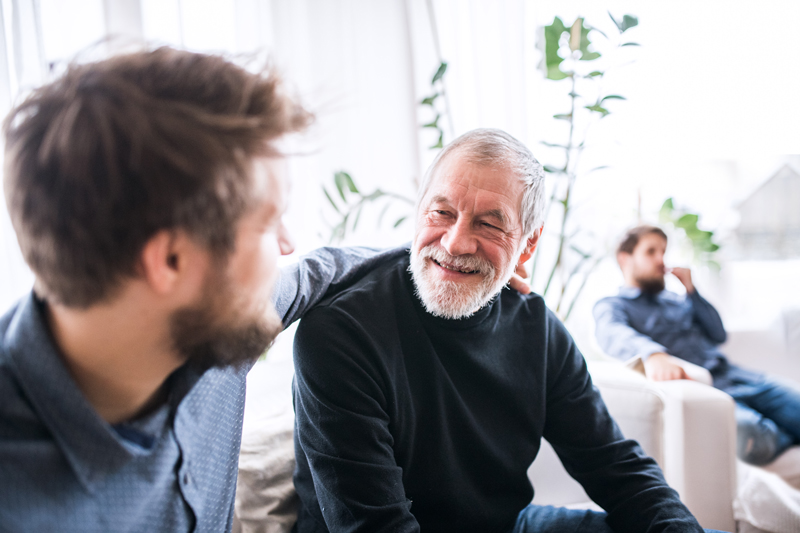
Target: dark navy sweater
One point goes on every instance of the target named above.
(408, 422)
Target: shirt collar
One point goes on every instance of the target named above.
(631, 293)
(91, 446)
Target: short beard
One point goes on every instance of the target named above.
(651, 286)
(204, 341)
(450, 299)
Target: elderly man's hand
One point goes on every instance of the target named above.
(519, 281)
(659, 367)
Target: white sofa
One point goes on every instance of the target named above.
(687, 427)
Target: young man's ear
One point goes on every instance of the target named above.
(623, 259)
(530, 246)
(165, 260)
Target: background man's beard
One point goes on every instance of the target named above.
(651, 285)
(205, 342)
(451, 299)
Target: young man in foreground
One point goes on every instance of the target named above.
(146, 192)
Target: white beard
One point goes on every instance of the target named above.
(451, 299)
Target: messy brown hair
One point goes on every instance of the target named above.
(634, 235)
(112, 152)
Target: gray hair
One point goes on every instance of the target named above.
(493, 147)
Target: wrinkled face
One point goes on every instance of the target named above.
(468, 237)
(645, 265)
(234, 320)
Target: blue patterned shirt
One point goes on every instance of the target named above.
(63, 468)
(635, 324)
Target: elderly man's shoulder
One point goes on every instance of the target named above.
(375, 295)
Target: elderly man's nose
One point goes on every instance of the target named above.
(459, 240)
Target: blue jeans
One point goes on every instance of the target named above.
(549, 519)
(767, 419)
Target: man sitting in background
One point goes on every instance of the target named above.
(647, 322)
(423, 391)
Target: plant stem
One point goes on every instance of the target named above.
(568, 150)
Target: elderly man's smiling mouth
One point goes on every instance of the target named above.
(454, 268)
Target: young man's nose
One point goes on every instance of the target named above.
(285, 241)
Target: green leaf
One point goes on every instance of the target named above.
(434, 124)
(612, 97)
(573, 95)
(618, 24)
(552, 169)
(563, 116)
(374, 195)
(665, 213)
(341, 183)
(358, 217)
(601, 167)
(628, 22)
(328, 196)
(554, 145)
(592, 28)
(585, 43)
(579, 251)
(594, 74)
(430, 99)
(598, 109)
(630, 44)
(348, 181)
(440, 72)
(439, 143)
(399, 221)
(687, 221)
(552, 35)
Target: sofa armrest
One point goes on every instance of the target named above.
(689, 428)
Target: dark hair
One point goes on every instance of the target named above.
(112, 152)
(634, 235)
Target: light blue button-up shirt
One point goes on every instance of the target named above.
(635, 324)
(63, 468)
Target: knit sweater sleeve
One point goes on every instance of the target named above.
(614, 471)
(343, 427)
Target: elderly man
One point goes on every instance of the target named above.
(422, 391)
(645, 321)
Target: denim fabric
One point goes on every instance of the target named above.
(549, 519)
(767, 417)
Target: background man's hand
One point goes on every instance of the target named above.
(519, 281)
(684, 275)
(659, 367)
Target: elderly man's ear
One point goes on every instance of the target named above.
(518, 280)
(530, 246)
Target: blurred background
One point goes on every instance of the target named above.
(679, 113)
